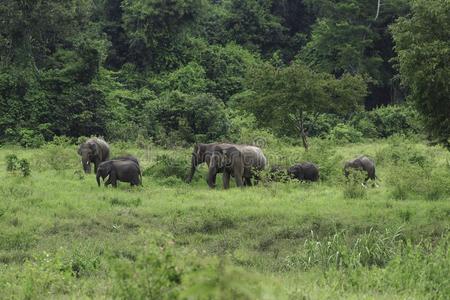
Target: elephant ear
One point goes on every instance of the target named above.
(79, 150)
(94, 148)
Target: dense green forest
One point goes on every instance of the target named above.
(179, 71)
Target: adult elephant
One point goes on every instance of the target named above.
(361, 163)
(305, 171)
(254, 159)
(94, 150)
(226, 160)
(125, 170)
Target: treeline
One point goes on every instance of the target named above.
(197, 70)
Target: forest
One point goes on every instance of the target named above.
(158, 85)
(185, 71)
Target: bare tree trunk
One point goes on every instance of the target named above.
(378, 10)
(299, 124)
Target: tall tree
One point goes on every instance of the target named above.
(289, 95)
(422, 41)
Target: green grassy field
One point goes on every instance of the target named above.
(61, 236)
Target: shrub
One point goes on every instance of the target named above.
(354, 187)
(343, 133)
(24, 167)
(388, 120)
(11, 162)
(30, 138)
(56, 157)
(167, 166)
(323, 153)
(192, 118)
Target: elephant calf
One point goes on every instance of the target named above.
(304, 172)
(125, 170)
(361, 163)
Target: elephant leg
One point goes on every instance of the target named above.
(113, 179)
(212, 177)
(108, 182)
(96, 163)
(247, 181)
(239, 181)
(226, 179)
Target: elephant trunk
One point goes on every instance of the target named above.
(193, 167)
(212, 176)
(86, 165)
(98, 178)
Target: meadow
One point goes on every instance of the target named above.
(61, 236)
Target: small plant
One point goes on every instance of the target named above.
(355, 187)
(11, 162)
(24, 167)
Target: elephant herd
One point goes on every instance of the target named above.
(242, 162)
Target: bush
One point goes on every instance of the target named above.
(412, 180)
(343, 133)
(388, 120)
(13, 163)
(30, 139)
(167, 166)
(56, 157)
(199, 118)
(354, 188)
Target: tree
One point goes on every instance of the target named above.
(422, 42)
(291, 94)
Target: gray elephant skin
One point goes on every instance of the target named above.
(305, 171)
(253, 159)
(226, 160)
(124, 170)
(361, 163)
(94, 150)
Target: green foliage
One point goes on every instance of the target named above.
(154, 274)
(343, 133)
(373, 248)
(423, 47)
(13, 163)
(188, 118)
(24, 167)
(353, 186)
(294, 91)
(167, 166)
(387, 121)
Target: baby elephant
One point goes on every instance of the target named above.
(125, 170)
(304, 172)
(361, 163)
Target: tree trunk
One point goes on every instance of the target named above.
(299, 123)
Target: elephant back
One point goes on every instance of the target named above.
(253, 157)
(102, 148)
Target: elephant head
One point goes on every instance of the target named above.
(87, 151)
(103, 171)
(198, 157)
(228, 160)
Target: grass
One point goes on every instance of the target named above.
(63, 237)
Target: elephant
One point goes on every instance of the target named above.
(254, 159)
(361, 163)
(127, 157)
(122, 170)
(226, 160)
(94, 150)
(305, 171)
